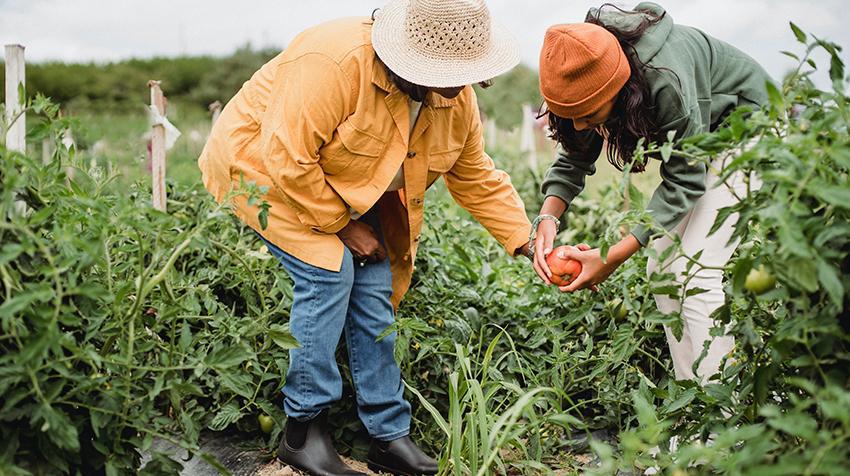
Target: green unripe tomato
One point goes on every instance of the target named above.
(618, 309)
(759, 281)
(266, 423)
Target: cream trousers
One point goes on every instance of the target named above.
(716, 251)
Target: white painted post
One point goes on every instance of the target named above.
(46, 150)
(490, 132)
(15, 78)
(528, 145)
(68, 143)
(158, 148)
(215, 109)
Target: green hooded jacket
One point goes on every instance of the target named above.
(695, 81)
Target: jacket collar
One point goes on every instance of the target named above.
(382, 81)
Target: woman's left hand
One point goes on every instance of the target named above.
(593, 269)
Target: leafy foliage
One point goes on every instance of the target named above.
(121, 324)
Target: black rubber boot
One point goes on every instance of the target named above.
(316, 455)
(401, 457)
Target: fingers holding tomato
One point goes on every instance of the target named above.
(564, 269)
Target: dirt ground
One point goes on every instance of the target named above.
(276, 468)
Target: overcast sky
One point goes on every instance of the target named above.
(102, 30)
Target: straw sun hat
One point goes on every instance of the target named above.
(442, 43)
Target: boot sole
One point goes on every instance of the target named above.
(379, 468)
(293, 465)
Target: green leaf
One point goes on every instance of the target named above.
(226, 357)
(185, 336)
(804, 274)
(22, 94)
(790, 55)
(666, 152)
(159, 465)
(623, 343)
(836, 68)
(213, 461)
(834, 194)
(636, 197)
(796, 424)
(801, 36)
(830, 280)
(237, 382)
(226, 416)
(57, 427)
(282, 337)
(24, 300)
(739, 273)
(684, 399)
(775, 97)
(566, 421)
(263, 215)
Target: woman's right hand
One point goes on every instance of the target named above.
(363, 242)
(543, 243)
(545, 235)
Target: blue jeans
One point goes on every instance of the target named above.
(355, 300)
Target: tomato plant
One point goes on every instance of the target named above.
(122, 325)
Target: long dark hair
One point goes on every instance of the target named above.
(633, 115)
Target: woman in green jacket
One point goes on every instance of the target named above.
(623, 76)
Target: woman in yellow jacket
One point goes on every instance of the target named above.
(347, 128)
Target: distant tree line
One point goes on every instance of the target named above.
(199, 80)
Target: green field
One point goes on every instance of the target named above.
(124, 327)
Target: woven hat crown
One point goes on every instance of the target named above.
(442, 43)
(440, 28)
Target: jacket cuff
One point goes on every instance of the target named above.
(561, 191)
(519, 238)
(334, 226)
(642, 233)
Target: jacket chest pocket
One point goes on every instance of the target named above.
(441, 162)
(351, 150)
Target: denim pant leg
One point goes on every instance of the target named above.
(319, 308)
(377, 377)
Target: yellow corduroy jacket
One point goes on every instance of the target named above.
(323, 127)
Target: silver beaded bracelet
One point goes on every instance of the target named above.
(533, 234)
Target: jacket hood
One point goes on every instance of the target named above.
(655, 36)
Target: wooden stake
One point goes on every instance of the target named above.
(215, 109)
(15, 78)
(528, 145)
(46, 150)
(490, 132)
(158, 148)
(69, 143)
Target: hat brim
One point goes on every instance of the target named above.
(389, 39)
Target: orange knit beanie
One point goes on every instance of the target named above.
(582, 66)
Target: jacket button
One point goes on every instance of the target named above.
(411, 154)
(416, 201)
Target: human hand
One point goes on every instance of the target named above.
(545, 236)
(363, 242)
(593, 269)
(524, 251)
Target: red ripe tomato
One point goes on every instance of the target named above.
(564, 271)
